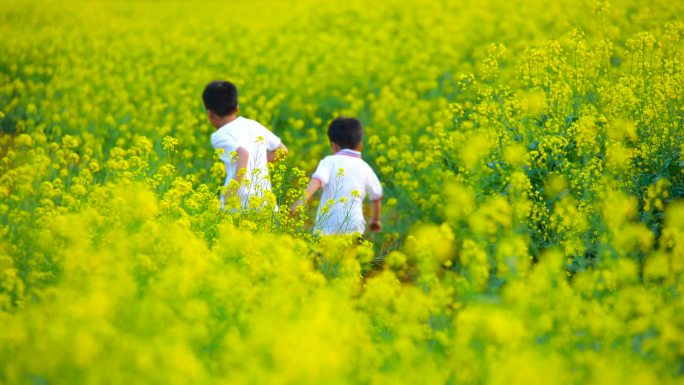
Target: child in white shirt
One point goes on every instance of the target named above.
(346, 179)
(246, 145)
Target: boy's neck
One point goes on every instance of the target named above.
(336, 148)
(222, 121)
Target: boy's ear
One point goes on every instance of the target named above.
(213, 118)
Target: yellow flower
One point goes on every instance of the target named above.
(169, 144)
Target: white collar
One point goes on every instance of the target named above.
(349, 152)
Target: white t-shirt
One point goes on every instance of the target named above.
(346, 180)
(257, 140)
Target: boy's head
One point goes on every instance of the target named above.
(346, 133)
(220, 99)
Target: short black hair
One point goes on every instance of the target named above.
(345, 132)
(220, 97)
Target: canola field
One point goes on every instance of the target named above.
(531, 156)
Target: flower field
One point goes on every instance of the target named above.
(531, 156)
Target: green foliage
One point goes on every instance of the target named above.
(531, 156)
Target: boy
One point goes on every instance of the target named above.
(247, 145)
(345, 179)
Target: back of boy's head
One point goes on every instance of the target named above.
(220, 97)
(345, 132)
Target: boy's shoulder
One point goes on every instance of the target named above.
(252, 125)
(357, 163)
(248, 122)
(222, 132)
(236, 127)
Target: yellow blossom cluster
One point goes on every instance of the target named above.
(531, 158)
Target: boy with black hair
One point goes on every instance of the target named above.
(246, 145)
(346, 179)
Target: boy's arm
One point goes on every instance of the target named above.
(273, 155)
(375, 225)
(241, 164)
(314, 185)
(374, 191)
